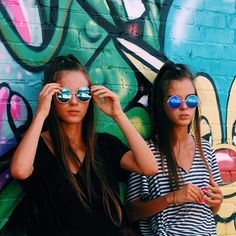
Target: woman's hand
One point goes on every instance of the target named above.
(107, 101)
(188, 193)
(214, 195)
(45, 98)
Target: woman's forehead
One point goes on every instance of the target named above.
(184, 85)
(72, 79)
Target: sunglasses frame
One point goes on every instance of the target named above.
(183, 100)
(71, 94)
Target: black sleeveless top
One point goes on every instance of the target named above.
(58, 208)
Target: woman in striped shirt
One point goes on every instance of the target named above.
(183, 196)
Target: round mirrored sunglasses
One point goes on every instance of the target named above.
(83, 94)
(175, 101)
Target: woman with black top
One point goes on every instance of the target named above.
(70, 173)
(182, 198)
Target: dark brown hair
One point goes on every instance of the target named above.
(162, 128)
(64, 151)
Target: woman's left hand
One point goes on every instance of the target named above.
(106, 100)
(214, 195)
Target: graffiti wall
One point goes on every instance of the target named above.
(123, 43)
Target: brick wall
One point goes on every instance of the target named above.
(123, 44)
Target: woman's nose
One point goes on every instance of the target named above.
(74, 99)
(183, 105)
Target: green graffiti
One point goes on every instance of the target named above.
(28, 54)
(10, 196)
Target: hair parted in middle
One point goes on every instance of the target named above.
(63, 149)
(163, 132)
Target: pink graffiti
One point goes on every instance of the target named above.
(4, 92)
(15, 107)
(226, 159)
(15, 10)
(7, 69)
(133, 29)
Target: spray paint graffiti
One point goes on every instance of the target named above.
(123, 47)
(35, 32)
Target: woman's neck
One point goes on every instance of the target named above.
(181, 134)
(74, 133)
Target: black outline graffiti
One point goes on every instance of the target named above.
(47, 33)
(18, 132)
(120, 30)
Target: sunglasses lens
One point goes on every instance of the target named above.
(192, 101)
(83, 94)
(64, 96)
(174, 102)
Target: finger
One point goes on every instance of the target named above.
(213, 196)
(212, 202)
(96, 87)
(212, 182)
(107, 95)
(101, 91)
(48, 94)
(50, 85)
(96, 99)
(194, 197)
(209, 193)
(198, 191)
(213, 189)
(48, 89)
(198, 198)
(99, 101)
(195, 193)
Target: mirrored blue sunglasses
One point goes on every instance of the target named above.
(83, 94)
(175, 101)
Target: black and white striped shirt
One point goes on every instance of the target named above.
(183, 219)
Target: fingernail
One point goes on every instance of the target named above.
(202, 200)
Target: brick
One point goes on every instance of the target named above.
(220, 6)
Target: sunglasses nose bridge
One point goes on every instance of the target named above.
(183, 104)
(73, 98)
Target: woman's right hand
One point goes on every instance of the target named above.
(188, 193)
(45, 98)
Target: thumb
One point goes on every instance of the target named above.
(212, 181)
(97, 100)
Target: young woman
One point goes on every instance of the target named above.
(70, 173)
(184, 194)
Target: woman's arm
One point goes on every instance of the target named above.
(140, 209)
(22, 161)
(140, 159)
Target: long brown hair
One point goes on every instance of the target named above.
(162, 128)
(64, 151)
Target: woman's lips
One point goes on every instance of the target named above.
(73, 112)
(184, 116)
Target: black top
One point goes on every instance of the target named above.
(59, 210)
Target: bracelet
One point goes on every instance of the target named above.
(173, 197)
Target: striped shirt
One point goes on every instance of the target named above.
(182, 219)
